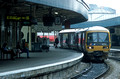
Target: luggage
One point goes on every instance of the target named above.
(45, 47)
(45, 44)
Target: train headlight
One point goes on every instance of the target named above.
(90, 47)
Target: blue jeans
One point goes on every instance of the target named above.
(27, 51)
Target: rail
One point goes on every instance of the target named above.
(95, 71)
(83, 72)
(104, 72)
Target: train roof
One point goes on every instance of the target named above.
(97, 28)
(68, 30)
(80, 30)
(94, 28)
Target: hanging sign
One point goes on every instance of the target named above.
(17, 18)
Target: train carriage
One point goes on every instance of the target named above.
(67, 38)
(94, 41)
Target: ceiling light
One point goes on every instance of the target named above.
(56, 13)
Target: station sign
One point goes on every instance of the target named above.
(24, 19)
(18, 18)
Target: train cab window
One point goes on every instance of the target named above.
(97, 38)
(103, 37)
(92, 37)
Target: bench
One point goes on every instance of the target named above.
(20, 51)
(3, 54)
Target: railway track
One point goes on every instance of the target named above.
(98, 70)
(95, 71)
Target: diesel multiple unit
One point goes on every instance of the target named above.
(94, 41)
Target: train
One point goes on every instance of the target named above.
(94, 42)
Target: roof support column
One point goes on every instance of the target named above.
(2, 32)
(29, 30)
(32, 11)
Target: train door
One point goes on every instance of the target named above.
(83, 42)
(72, 40)
(79, 41)
(76, 41)
(65, 40)
(69, 40)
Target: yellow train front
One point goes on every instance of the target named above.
(94, 42)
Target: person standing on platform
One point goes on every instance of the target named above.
(25, 48)
(56, 42)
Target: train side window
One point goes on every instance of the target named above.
(83, 38)
(65, 36)
(79, 38)
(72, 39)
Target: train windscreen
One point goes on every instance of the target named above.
(97, 38)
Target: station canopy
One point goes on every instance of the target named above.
(39, 11)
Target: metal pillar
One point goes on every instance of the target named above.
(2, 30)
(35, 36)
(30, 45)
(18, 32)
(10, 34)
(2, 14)
(32, 11)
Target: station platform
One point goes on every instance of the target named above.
(115, 48)
(38, 60)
